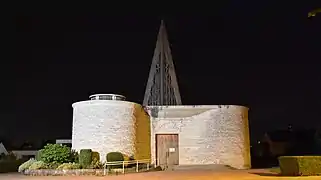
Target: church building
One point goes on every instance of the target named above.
(163, 130)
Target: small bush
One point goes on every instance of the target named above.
(95, 161)
(55, 153)
(95, 156)
(69, 166)
(38, 165)
(53, 165)
(85, 157)
(96, 165)
(300, 165)
(115, 156)
(126, 158)
(26, 165)
(38, 155)
(74, 156)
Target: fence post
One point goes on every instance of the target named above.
(123, 167)
(107, 167)
(136, 166)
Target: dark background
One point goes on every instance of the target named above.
(265, 55)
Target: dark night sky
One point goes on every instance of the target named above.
(266, 57)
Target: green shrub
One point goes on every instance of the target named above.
(69, 166)
(95, 161)
(95, 156)
(38, 165)
(96, 165)
(74, 156)
(56, 153)
(53, 165)
(85, 156)
(115, 156)
(38, 155)
(26, 165)
(300, 165)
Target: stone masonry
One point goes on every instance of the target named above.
(109, 126)
(207, 134)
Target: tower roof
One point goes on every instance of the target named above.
(162, 87)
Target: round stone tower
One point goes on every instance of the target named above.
(107, 123)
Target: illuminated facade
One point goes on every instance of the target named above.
(205, 134)
(163, 130)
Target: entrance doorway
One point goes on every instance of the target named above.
(167, 153)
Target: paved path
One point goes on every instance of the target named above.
(166, 175)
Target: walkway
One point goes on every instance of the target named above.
(168, 175)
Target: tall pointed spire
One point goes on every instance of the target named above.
(162, 86)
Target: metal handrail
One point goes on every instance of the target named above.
(145, 161)
(128, 162)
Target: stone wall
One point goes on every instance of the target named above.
(108, 126)
(207, 134)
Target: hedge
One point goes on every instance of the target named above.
(85, 157)
(38, 155)
(95, 156)
(300, 165)
(114, 157)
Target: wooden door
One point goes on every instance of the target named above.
(167, 149)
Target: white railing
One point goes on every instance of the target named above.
(126, 163)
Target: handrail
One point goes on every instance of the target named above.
(127, 162)
(145, 161)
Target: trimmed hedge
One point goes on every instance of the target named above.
(85, 158)
(115, 156)
(300, 165)
(95, 161)
(95, 156)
